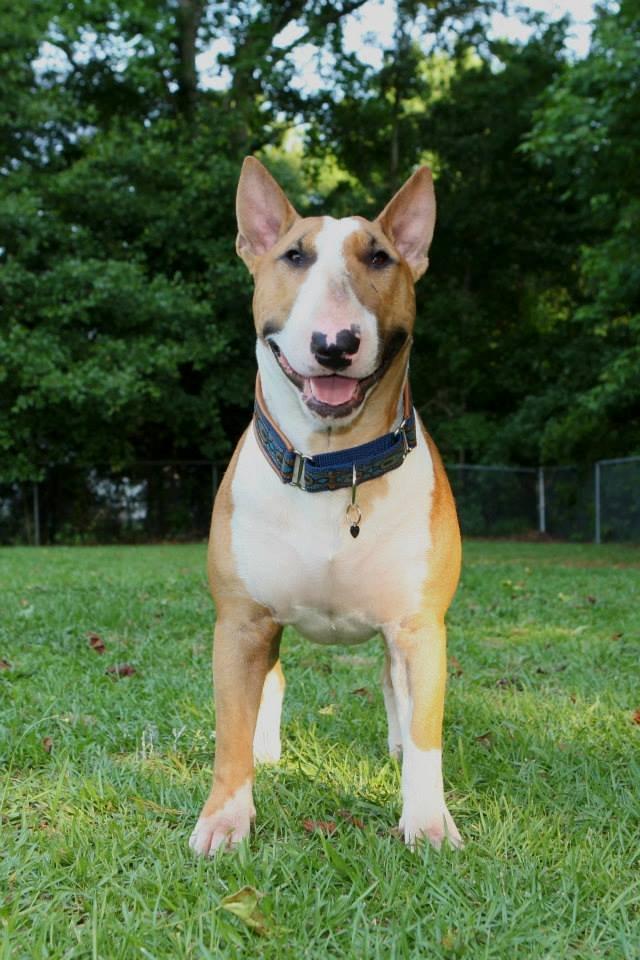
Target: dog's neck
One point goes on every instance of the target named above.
(309, 434)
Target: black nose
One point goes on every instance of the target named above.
(335, 355)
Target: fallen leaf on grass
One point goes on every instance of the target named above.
(5, 665)
(617, 636)
(485, 739)
(96, 642)
(321, 826)
(354, 821)
(450, 940)
(47, 744)
(635, 717)
(328, 711)
(121, 670)
(244, 905)
(455, 667)
(363, 692)
(505, 682)
(591, 599)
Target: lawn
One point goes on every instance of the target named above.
(105, 771)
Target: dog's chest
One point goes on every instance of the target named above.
(295, 555)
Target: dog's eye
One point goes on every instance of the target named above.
(295, 257)
(379, 258)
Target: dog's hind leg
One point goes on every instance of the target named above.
(266, 740)
(394, 734)
(245, 650)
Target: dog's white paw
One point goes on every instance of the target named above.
(433, 826)
(226, 827)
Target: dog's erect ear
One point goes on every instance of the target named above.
(263, 211)
(409, 218)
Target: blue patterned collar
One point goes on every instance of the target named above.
(332, 471)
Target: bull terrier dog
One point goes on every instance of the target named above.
(335, 514)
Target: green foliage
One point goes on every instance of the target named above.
(122, 305)
(125, 327)
(587, 133)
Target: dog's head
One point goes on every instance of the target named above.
(334, 299)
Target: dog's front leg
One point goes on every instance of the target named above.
(245, 649)
(418, 673)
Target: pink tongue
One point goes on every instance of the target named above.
(333, 390)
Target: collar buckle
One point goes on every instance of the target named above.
(297, 473)
(401, 431)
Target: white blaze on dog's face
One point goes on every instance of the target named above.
(334, 299)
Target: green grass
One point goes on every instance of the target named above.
(541, 766)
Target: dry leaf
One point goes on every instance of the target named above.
(354, 821)
(47, 744)
(321, 826)
(121, 670)
(363, 692)
(244, 905)
(450, 940)
(5, 665)
(485, 739)
(455, 666)
(591, 599)
(96, 642)
(509, 682)
(616, 636)
(635, 717)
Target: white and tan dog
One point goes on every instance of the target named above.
(334, 309)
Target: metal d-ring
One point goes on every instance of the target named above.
(354, 513)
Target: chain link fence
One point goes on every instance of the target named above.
(617, 500)
(171, 501)
(139, 503)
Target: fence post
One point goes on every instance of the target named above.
(36, 515)
(596, 484)
(542, 506)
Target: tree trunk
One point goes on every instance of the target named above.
(188, 20)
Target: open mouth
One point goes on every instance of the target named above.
(330, 395)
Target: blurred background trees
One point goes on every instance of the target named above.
(125, 327)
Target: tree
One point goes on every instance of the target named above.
(126, 327)
(587, 136)
(504, 242)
